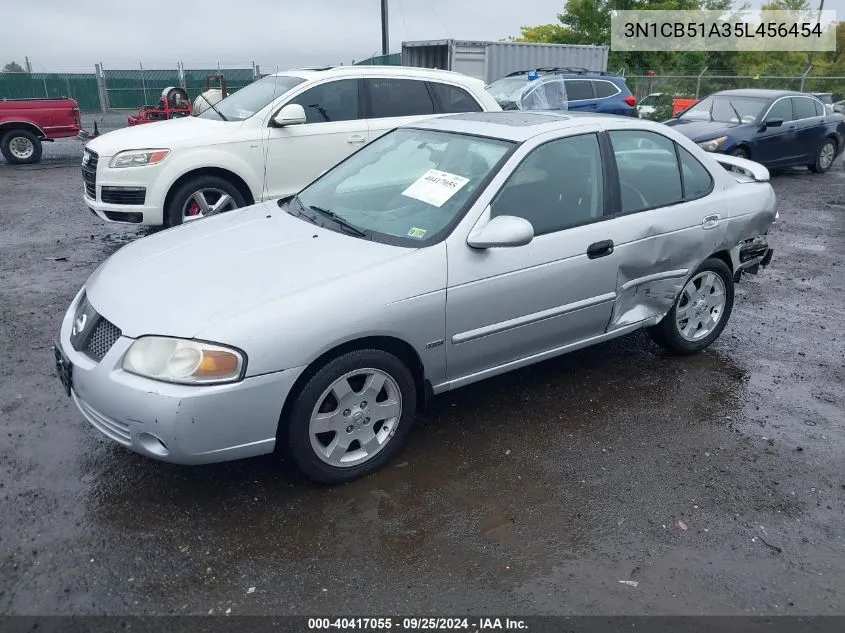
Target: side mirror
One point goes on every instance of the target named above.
(773, 122)
(291, 114)
(502, 231)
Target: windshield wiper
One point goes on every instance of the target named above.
(298, 214)
(214, 107)
(736, 112)
(334, 216)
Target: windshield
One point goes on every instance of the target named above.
(725, 109)
(406, 187)
(507, 89)
(520, 93)
(250, 99)
(652, 100)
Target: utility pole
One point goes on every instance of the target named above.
(28, 65)
(812, 54)
(385, 40)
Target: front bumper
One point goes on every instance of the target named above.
(175, 423)
(150, 213)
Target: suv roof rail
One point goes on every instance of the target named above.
(570, 70)
(314, 67)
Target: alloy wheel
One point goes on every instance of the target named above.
(355, 417)
(700, 306)
(21, 148)
(207, 202)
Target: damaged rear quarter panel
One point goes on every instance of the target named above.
(660, 249)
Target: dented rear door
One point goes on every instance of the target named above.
(667, 224)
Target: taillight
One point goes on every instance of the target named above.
(77, 117)
(631, 101)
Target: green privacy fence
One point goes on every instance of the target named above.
(393, 59)
(79, 86)
(116, 89)
(130, 89)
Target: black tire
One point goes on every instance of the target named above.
(181, 196)
(295, 434)
(666, 332)
(817, 167)
(20, 134)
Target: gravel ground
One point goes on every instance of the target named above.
(715, 482)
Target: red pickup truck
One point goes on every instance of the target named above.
(26, 123)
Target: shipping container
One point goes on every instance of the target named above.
(490, 61)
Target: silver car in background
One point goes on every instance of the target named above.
(441, 254)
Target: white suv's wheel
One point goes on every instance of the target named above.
(201, 197)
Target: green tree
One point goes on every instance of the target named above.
(13, 67)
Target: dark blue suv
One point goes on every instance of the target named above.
(586, 90)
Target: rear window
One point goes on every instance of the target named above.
(804, 108)
(454, 99)
(605, 89)
(579, 89)
(398, 97)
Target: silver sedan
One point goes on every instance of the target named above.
(439, 255)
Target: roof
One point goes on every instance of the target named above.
(390, 71)
(513, 125)
(758, 93)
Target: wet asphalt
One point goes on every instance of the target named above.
(714, 483)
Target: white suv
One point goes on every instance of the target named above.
(265, 141)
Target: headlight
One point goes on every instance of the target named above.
(139, 157)
(713, 144)
(183, 361)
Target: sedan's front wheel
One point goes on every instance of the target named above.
(352, 416)
(701, 310)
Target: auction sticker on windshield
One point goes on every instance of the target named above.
(435, 187)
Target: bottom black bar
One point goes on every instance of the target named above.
(524, 624)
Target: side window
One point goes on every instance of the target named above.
(697, 180)
(781, 110)
(334, 101)
(398, 97)
(648, 169)
(820, 109)
(454, 99)
(804, 108)
(605, 89)
(579, 89)
(559, 185)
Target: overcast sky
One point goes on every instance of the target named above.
(71, 35)
(65, 35)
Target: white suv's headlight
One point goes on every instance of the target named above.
(713, 144)
(139, 157)
(184, 361)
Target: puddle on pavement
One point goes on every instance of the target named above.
(507, 468)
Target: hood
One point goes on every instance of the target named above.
(183, 279)
(184, 132)
(701, 130)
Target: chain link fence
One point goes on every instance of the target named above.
(704, 83)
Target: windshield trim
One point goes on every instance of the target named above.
(449, 227)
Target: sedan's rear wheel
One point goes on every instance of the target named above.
(701, 310)
(824, 158)
(352, 416)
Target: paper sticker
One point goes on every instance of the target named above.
(418, 233)
(435, 187)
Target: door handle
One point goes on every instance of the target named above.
(355, 138)
(600, 249)
(711, 221)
